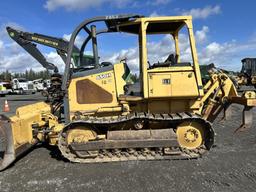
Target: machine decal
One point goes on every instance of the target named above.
(44, 41)
(103, 76)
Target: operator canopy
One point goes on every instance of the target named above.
(155, 25)
(131, 23)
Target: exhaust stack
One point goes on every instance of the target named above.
(95, 46)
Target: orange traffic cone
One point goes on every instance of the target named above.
(6, 107)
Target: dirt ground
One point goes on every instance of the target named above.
(229, 166)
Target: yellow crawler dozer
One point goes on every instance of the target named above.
(247, 75)
(93, 118)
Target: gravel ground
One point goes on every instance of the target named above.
(229, 166)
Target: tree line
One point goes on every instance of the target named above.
(28, 74)
(45, 74)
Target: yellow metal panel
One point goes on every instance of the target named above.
(177, 49)
(144, 61)
(179, 105)
(168, 18)
(169, 106)
(171, 69)
(22, 129)
(33, 108)
(119, 70)
(156, 106)
(156, 19)
(105, 80)
(160, 85)
(23, 120)
(175, 84)
(194, 56)
(184, 84)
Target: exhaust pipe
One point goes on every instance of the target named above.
(95, 46)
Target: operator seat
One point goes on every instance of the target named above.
(171, 61)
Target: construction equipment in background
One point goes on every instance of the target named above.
(247, 75)
(206, 72)
(29, 41)
(169, 117)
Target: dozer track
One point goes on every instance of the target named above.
(138, 145)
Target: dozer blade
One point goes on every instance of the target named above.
(247, 119)
(16, 132)
(7, 151)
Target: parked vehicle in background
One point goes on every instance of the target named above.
(47, 83)
(47, 88)
(39, 84)
(8, 86)
(3, 90)
(22, 86)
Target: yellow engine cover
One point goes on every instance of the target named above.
(96, 89)
(173, 84)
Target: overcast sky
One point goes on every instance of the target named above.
(225, 30)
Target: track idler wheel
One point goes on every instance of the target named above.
(190, 135)
(82, 135)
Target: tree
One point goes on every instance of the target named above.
(134, 77)
(28, 74)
